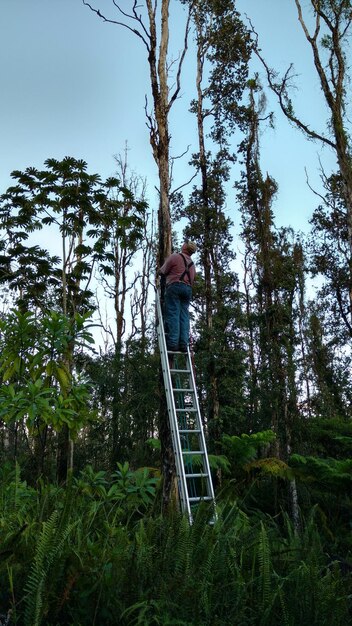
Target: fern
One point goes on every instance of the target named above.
(185, 544)
(49, 547)
(247, 568)
(285, 617)
(270, 466)
(144, 553)
(264, 560)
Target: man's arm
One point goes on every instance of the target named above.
(165, 268)
(163, 271)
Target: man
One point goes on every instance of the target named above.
(179, 273)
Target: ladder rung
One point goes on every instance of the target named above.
(192, 431)
(190, 410)
(183, 390)
(172, 370)
(192, 451)
(196, 475)
(201, 499)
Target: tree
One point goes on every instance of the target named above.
(39, 394)
(329, 41)
(330, 368)
(223, 52)
(273, 275)
(96, 220)
(330, 255)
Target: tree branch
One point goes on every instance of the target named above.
(183, 185)
(280, 90)
(110, 21)
(179, 69)
(136, 17)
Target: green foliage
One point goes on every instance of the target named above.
(271, 466)
(82, 558)
(137, 487)
(326, 437)
(241, 450)
(46, 536)
(218, 462)
(49, 548)
(38, 387)
(132, 490)
(264, 561)
(92, 217)
(331, 473)
(125, 396)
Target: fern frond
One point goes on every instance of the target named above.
(264, 560)
(284, 611)
(184, 548)
(272, 466)
(49, 546)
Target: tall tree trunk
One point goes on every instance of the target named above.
(160, 142)
(213, 404)
(64, 443)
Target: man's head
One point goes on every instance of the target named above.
(189, 247)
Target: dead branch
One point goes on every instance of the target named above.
(179, 69)
(174, 191)
(110, 21)
(280, 89)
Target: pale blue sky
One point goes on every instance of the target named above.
(73, 85)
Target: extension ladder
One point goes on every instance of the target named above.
(191, 458)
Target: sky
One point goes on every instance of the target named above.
(73, 85)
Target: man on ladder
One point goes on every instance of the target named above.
(178, 273)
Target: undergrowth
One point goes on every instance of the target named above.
(99, 553)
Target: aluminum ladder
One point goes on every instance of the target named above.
(191, 458)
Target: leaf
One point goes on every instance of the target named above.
(62, 377)
(8, 373)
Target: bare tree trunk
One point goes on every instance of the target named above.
(160, 142)
(301, 317)
(159, 123)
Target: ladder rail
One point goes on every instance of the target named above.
(202, 436)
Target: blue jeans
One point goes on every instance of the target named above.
(177, 299)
